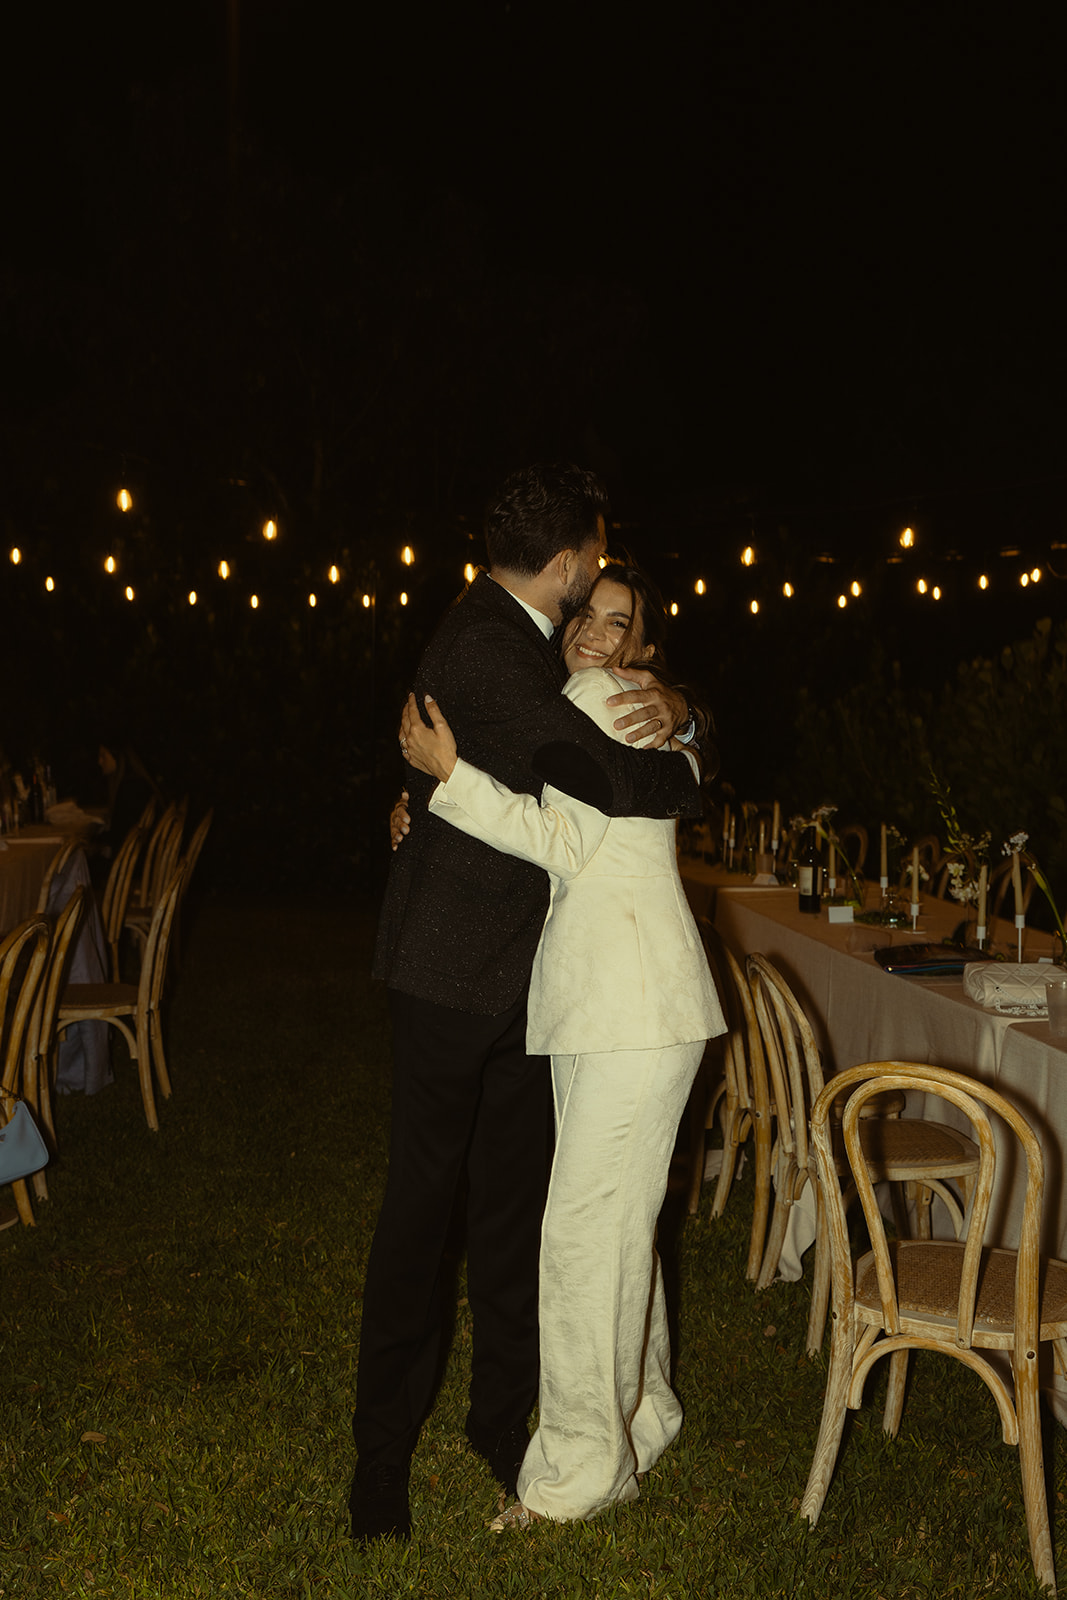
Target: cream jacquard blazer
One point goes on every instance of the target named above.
(620, 965)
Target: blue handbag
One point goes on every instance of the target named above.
(22, 1150)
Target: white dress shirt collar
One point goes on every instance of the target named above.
(546, 625)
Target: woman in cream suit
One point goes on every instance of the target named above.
(622, 1000)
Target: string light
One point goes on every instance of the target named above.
(109, 564)
(856, 591)
(1024, 578)
(49, 585)
(16, 556)
(366, 602)
(700, 586)
(1035, 576)
(468, 572)
(123, 500)
(921, 586)
(601, 562)
(224, 569)
(313, 601)
(983, 581)
(842, 601)
(407, 555)
(254, 602)
(907, 539)
(936, 592)
(403, 598)
(753, 606)
(748, 556)
(788, 590)
(129, 592)
(334, 574)
(192, 597)
(674, 608)
(270, 530)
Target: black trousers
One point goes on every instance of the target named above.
(465, 1096)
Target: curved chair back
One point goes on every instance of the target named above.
(56, 868)
(42, 1034)
(157, 947)
(794, 1068)
(148, 886)
(117, 892)
(196, 843)
(852, 842)
(746, 1095)
(23, 955)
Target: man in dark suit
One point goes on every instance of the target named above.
(459, 928)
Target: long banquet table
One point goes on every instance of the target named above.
(861, 1013)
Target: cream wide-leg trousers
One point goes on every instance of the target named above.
(607, 1410)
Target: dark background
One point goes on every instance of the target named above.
(790, 277)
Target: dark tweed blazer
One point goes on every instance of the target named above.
(460, 921)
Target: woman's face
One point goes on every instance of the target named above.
(595, 637)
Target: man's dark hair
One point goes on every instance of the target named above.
(540, 511)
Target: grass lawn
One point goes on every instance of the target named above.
(179, 1333)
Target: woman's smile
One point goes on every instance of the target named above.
(602, 633)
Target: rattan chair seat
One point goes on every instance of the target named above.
(912, 1148)
(929, 1278)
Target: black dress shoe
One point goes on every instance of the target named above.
(378, 1501)
(503, 1452)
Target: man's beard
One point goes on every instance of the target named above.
(573, 600)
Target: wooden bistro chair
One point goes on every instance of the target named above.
(852, 839)
(116, 896)
(953, 1295)
(56, 868)
(41, 1037)
(899, 1150)
(162, 848)
(139, 1002)
(23, 957)
(740, 1100)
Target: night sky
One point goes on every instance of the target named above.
(824, 242)
(787, 275)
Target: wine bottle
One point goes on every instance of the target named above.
(36, 799)
(809, 874)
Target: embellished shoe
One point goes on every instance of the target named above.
(514, 1516)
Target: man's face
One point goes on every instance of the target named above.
(585, 574)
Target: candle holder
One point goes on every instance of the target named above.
(1020, 924)
(914, 909)
(980, 935)
(764, 876)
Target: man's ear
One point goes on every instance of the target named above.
(563, 564)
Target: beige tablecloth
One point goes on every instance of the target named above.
(23, 864)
